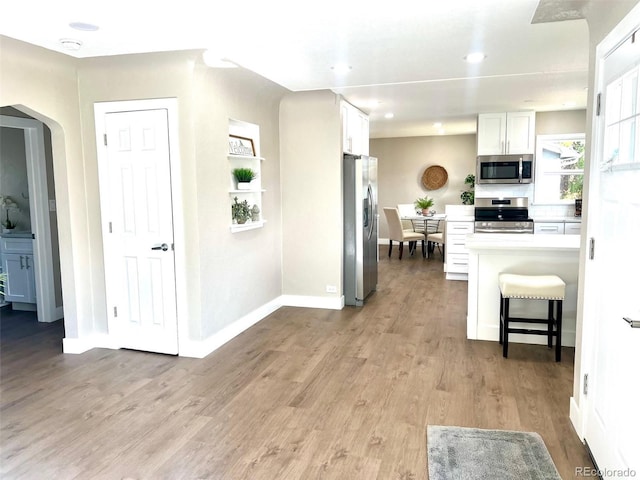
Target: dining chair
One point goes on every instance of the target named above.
(401, 235)
(406, 210)
(436, 234)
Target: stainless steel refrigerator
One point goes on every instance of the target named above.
(360, 192)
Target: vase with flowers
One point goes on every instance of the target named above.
(7, 203)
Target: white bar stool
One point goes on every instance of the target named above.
(532, 287)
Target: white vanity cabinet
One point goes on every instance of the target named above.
(18, 264)
(506, 133)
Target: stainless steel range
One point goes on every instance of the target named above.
(502, 215)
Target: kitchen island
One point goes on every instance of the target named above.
(527, 254)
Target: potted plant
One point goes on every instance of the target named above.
(243, 177)
(468, 196)
(424, 204)
(240, 211)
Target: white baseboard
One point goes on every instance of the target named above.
(306, 301)
(202, 348)
(575, 415)
(81, 345)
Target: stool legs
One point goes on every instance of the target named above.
(551, 321)
(558, 329)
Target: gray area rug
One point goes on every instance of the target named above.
(471, 453)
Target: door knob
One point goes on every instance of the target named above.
(632, 323)
(164, 247)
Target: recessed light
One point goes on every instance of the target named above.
(83, 26)
(437, 124)
(441, 131)
(475, 57)
(341, 68)
(388, 115)
(70, 44)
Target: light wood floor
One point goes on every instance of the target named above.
(304, 394)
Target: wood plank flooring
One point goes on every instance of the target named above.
(304, 394)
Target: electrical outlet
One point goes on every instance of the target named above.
(332, 289)
(52, 205)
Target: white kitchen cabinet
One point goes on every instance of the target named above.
(557, 228)
(355, 130)
(457, 256)
(572, 228)
(18, 264)
(548, 228)
(506, 133)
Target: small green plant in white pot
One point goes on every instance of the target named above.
(243, 177)
(424, 204)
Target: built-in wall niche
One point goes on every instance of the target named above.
(245, 198)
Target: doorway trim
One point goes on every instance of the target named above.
(39, 212)
(101, 109)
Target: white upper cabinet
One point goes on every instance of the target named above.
(506, 133)
(355, 130)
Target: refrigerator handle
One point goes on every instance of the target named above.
(369, 212)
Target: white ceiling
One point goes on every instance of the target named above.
(406, 56)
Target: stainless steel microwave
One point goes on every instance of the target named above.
(504, 169)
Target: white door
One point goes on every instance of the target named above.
(613, 397)
(139, 255)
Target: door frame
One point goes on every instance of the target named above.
(39, 212)
(588, 349)
(101, 109)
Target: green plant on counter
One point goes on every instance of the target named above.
(244, 175)
(424, 203)
(469, 196)
(240, 211)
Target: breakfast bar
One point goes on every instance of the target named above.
(527, 254)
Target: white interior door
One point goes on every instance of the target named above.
(139, 254)
(613, 416)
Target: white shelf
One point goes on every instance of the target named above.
(233, 156)
(253, 190)
(247, 226)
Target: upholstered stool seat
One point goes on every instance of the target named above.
(532, 287)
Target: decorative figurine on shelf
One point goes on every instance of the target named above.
(255, 213)
(469, 196)
(8, 203)
(240, 211)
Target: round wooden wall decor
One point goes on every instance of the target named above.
(434, 177)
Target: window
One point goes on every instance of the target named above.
(559, 168)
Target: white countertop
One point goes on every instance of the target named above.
(557, 219)
(16, 235)
(526, 241)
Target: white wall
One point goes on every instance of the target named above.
(402, 161)
(311, 169)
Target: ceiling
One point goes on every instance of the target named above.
(405, 57)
